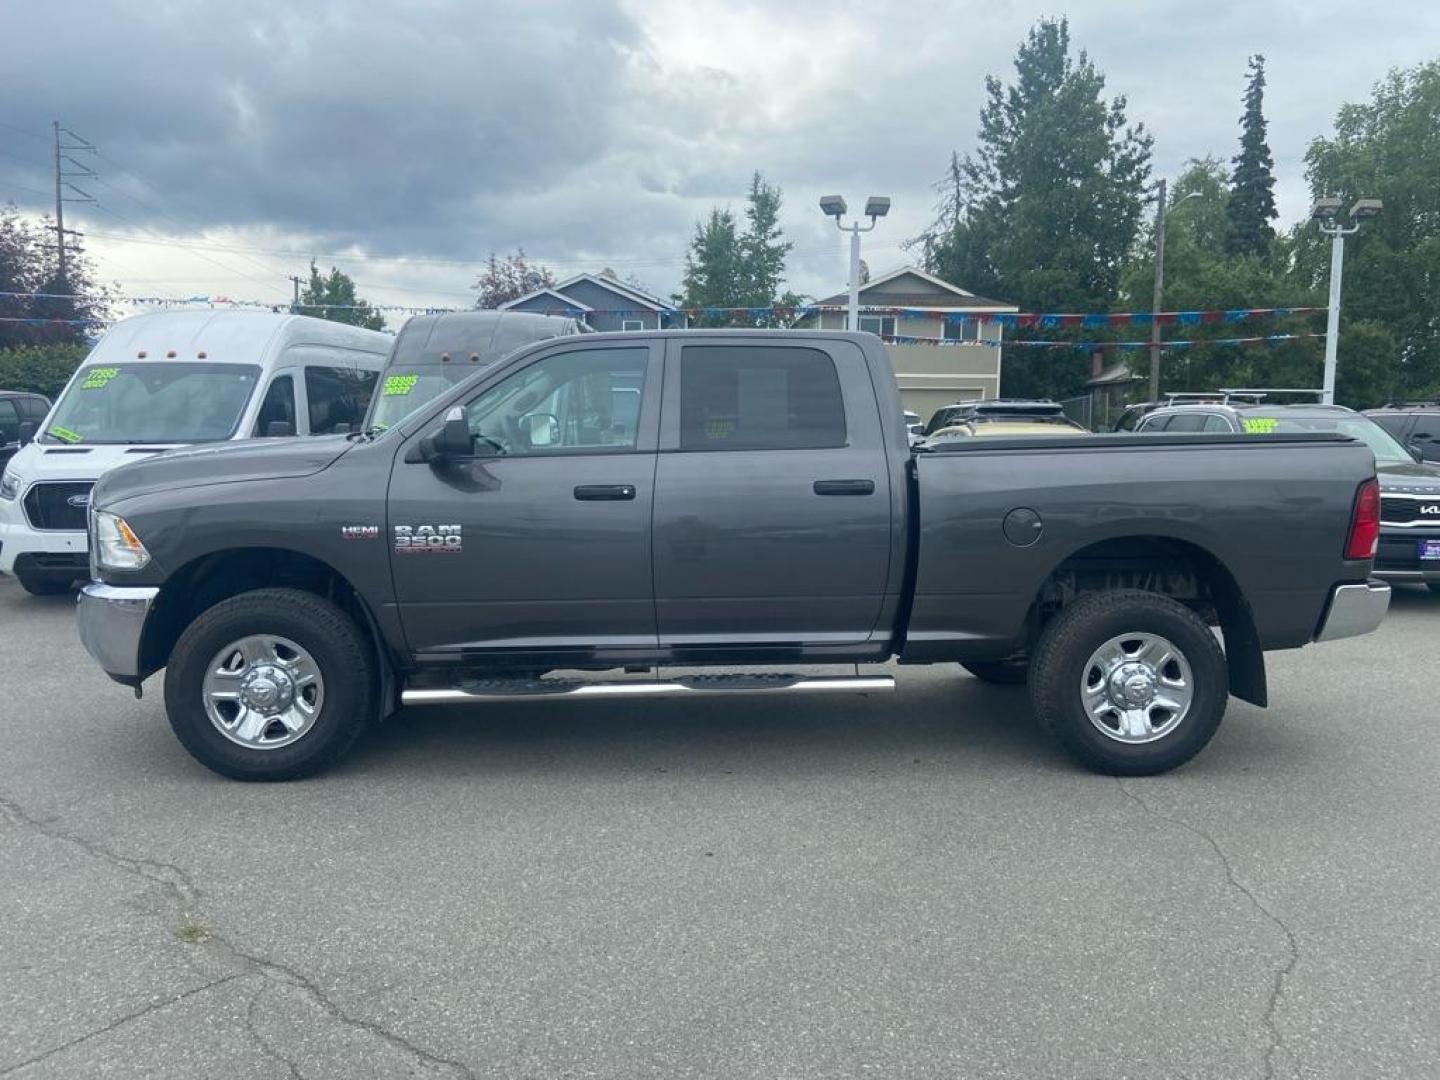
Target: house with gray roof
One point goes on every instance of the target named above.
(601, 302)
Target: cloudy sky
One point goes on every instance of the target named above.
(404, 142)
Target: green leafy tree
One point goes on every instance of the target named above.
(726, 267)
(1388, 148)
(510, 278)
(40, 369)
(1202, 274)
(29, 264)
(1251, 206)
(1044, 213)
(332, 296)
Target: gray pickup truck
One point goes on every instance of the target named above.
(617, 503)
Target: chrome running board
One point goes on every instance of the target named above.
(495, 690)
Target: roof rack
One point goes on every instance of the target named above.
(1267, 391)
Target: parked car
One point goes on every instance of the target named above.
(169, 379)
(913, 423)
(993, 408)
(766, 508)
(1414, 424)
(1005, 427)
(434, 352)
(18, 409)
(1410, 490)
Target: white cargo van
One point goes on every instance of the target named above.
(168, 379)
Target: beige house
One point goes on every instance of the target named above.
(953, 361)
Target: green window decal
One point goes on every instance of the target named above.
(399, 385)
(64, 434)
(1259, 425)
(98, 378)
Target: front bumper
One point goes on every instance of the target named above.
(18, 539)
(1355, 610)
(112, 622)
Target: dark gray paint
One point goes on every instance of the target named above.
(747, 563)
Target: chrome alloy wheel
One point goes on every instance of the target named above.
(1137, 688)
(263, 692)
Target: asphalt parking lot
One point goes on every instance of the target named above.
(911, 885)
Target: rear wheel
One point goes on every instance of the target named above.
(1132, 683)
(270, 685)
(42, 583)
(1000, 672)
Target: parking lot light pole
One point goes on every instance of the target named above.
(876, 207)
(1326, 214)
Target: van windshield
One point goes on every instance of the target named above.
(165, 402)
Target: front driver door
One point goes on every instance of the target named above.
(537, 546)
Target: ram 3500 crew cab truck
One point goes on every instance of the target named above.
(715, 498)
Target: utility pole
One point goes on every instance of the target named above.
(1326, 214)
(62, 182)
(295, 303)
(1159, 291)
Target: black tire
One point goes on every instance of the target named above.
(341, 652)
(1057, 668)
(999, 672)
(40, 583)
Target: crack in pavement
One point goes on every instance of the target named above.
(184, 892)
(154, 1006)
(260, 1040)
(1277, 989)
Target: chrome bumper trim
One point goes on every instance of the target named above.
(111, 620)
(1355, 610)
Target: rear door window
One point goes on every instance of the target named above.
(337, 395)
(759, 397)
(1216, 424)
(1152, 424)
(1395, 423)
(1185, 423)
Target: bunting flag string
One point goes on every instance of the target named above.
(1091, 346)
(1006, 319)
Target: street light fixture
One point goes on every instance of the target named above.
(1326, 213)
(876, 207)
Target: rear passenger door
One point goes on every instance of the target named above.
(772, 496)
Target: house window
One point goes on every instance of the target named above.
(632, 325)
(961, 330)
(883, 325)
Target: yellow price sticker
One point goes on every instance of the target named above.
(1259, 425)
(99, 378)
(399, 385)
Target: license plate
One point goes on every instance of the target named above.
(1429, 549)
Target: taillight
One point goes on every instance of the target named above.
(1364, 522)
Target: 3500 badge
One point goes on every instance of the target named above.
(418, 539)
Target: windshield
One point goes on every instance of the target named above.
(153, 403)
(1382, 444)
(402, 392)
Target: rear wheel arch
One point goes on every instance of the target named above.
(1181, 569)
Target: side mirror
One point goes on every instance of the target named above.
(279, 429)
(27, 432)
(540, 429)
(1416, 451)
(451, 441)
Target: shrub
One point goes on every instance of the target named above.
(40, 369)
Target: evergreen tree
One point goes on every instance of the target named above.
(333, 297)
(1044, 212)
(1251, 207)
(729, 268)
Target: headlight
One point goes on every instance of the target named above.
(116, 547)
(9, 485)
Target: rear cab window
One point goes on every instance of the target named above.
(759, 397)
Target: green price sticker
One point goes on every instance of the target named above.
(1260, 425)
(64, 434)
(399, 385)
(99, 378)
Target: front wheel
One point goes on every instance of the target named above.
(270, 685)
(1132, 683)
